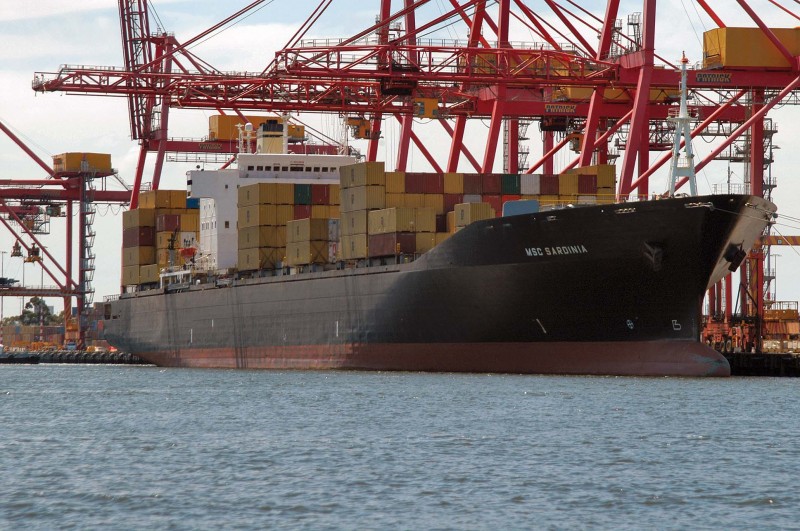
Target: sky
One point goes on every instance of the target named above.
(39, 36)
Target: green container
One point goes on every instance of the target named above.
(510, 183)
(302, 194)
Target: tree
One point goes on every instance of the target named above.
(36, 311)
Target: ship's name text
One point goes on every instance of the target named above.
(556, 251)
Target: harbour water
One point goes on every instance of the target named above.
(110, 447)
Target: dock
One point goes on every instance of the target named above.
(764, 364)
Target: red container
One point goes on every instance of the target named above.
(548, 184)
(511, 197)
(587, 184)
(415, 183)
(392, 243)
(433, 183)
(320, 194)
(451, 200)
(168, 223)
(496, 201)
(302, 211)
(139, 237)
(473, 183)
(493, 183)
(441, 223)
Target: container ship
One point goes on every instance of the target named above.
(490, 276)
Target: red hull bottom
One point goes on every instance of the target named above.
(647, 358)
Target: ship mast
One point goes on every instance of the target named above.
(682, 166)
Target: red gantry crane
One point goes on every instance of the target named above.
(589, 85)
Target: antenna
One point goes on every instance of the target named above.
(682, 166)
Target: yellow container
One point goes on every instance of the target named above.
(155, 199)
(442, 236)
(258, 258)
(353, 247)
(149, 274)
(77, 162)
(395, 182)
(548, 199)
(606, 196)
(190, 222)
(353, 223)
(138, 256)
(451, 222)
(466, 213)
(283, 214)
(259, 237)
(138, 218)
(130, 275)
(747, 47)
(177, 199)
(308, 229)
(454, 183)
(334, 194)
(223, 126)
(362, 174)
(414, 200)
(163, 238)
(306, 252)
(259, 193)
(395, 200)
(391, 220)
(424, 219)
(333, 212)
(568, 184)
(257, 216)
(435, 201)
(284, 194)
(425, 241)
(321, 211)
(363, 198)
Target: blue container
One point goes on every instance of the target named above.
(192, 202)
(524, 206)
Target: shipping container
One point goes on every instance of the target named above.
(154, 199)
(353, 223)
(433, 183)
(353, 247)
(177, 199)
(363, 198)
(519, 207)
(454, 183)
(163, 239)
(436, 202)
(473, 198)
(259, 237)
(139, 237)
(187, 239)
(320, 211)
(587, 184)
(193, 203)
(138, 218)
(258, 194)
(333, 252)
(334, 194)
(466, 213)
(395, 182)
(529, 184)
(190, 222)
(224, 126)
(568, 184)
(441, 222)
(320, 194)
(283, 214)
(362, 174)
(130, 275)
(82, 162)
(333, 230)
(138, 256)
(301, 212)
(391, 220)
(333, 211)
(306, 252)
(442, 236)
(492, 184)
(392, 243)
(451, 200)
(451, 221)
(168, 222)
(284, 194)
(473, 183)
(548, 184)
(258, 258)
(510, 183)
(587, 199)
(257, 216)
(149, 274)
(302, 194)
(307, 229)
(749, 48)
(425, 242)
(424, 219)
(415, 183)
(395, 200)
(414, 200)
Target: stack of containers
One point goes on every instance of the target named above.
(401, 230)
(262, 240)
(363, 188)
(265, 210)
(147, 230)
(467, 213)
(311, 241)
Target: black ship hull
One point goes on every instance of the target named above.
(613, 289)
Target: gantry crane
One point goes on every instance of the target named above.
(586, 83)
